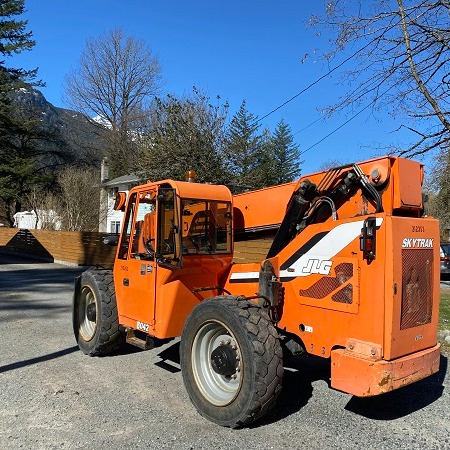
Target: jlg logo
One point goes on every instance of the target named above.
(321, 267)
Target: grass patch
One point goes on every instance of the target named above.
(444, 319)
(444, 312)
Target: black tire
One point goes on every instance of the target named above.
(231, 361)
(94, 315)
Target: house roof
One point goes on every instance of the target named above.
(124, 179)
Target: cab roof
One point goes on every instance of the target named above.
(192, 190)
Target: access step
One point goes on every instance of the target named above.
(144, 344)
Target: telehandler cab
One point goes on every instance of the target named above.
(341, 264)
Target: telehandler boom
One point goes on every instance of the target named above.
(341, 264)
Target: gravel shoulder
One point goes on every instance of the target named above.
(52, 396)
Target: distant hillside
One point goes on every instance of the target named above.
(84, 140)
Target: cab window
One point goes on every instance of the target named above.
(143, 232)
(126, 233)
(167, 228)
(206, 227)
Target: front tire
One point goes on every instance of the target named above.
(94, 316)
(231, 361)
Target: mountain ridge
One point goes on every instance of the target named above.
(84, 139)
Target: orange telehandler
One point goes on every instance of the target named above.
(341, 264)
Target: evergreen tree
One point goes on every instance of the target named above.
(14, 39)
(29, 156)
(243, 147)
(284, 155)
(264, 173)
(278, 160)
(24, 162)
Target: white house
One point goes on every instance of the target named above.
(110, 220)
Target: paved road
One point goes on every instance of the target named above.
(52, 396)
(445, 283)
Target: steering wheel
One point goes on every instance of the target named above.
(166, 246)
(148, 244)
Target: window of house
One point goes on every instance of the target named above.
(115, 227)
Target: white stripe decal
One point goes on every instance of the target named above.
(330, 245)
(244, 275)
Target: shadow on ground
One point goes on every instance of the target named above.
(25, 293)
(301, 372)
(38, 359)
(404, 401)
(38, 278)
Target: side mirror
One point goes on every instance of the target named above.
(111, 240)
(119, 204)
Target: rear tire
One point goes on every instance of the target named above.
(94, 316)
(231, 361)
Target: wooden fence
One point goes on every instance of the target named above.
(87, 248)
(251, 251)
(70, 247)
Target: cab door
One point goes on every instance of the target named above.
(136, 268)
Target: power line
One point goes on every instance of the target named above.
(325, 75)
(320, 118)
(317, 81)
(307, 126)
(314, 83)
(338, 128)
(349, 120)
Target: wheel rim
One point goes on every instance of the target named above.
(214, 342)
(87, 313)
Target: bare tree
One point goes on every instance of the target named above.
(80, 199)
(116, 78)
(437, 188)
(45, 206)
(331, 163)
(401, 54)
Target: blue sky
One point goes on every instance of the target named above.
(239, 50)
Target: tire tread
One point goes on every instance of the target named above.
(110, 337)
(267, 357)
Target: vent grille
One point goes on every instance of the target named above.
(345, 295)
(326, 285)
(417, 287)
